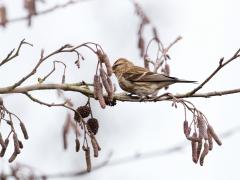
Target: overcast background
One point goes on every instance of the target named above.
(210, 30)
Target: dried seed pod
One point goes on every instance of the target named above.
(214, 135)
(24, 130)
(204, 153)
(103, 58)
(20, 144)
(94, 146)
(13, 157)
(199, 148)
(202, 128)
(92, 125)
(107, 83)
(2, 142)
(77, 143)
(88, 159)
(16, 143)
(84, 111)
(194, 148)
(4, 149)
(210, 140)
(3, 16)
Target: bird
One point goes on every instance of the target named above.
(141, 81)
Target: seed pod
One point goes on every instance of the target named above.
(92, 125)
(84, 111)
(4, 149)
(2, 142)
(16, 144)
(214, 135)
(194, 148)
(77, 142)
(13, 157)
(94, 146)
(24, 130)
(204, 153)
(199, 148)
(3, 16)
(88, 159)
(202, 128)
(106, 83)
(210, 140)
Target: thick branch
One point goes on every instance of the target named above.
(83, 89)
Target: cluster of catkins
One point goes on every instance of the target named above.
(202, 137)
(102, 79)
(6, 116)
(90, 129)
(29, 6)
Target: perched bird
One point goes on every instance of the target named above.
(140, 81)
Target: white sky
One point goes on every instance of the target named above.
(210, 30)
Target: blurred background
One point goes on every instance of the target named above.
(210, 30)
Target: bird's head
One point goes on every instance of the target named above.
(121, 65)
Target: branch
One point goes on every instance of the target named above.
(84, 89)
(46, 11)
(220, 66)
(11, 56)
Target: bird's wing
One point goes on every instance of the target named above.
(139, 74)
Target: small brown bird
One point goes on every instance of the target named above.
(140, 81)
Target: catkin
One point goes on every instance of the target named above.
(210, 140)
(16, 143)
(194, 148)
(24, 130)
(199, 148)
(4, 149)
(13, 157)
(88, 159)
(2, 142)
(106, 84)
(77, 144)
(3, 16)
(94, 146)
(98, 93)
(204, 153)
(202, 128)
(214, 135)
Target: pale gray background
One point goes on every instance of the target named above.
(210, 30)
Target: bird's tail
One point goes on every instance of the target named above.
(184, 81)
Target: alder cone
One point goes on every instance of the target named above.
(84, 111)
(92, 125)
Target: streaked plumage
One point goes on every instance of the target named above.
(141, 81)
